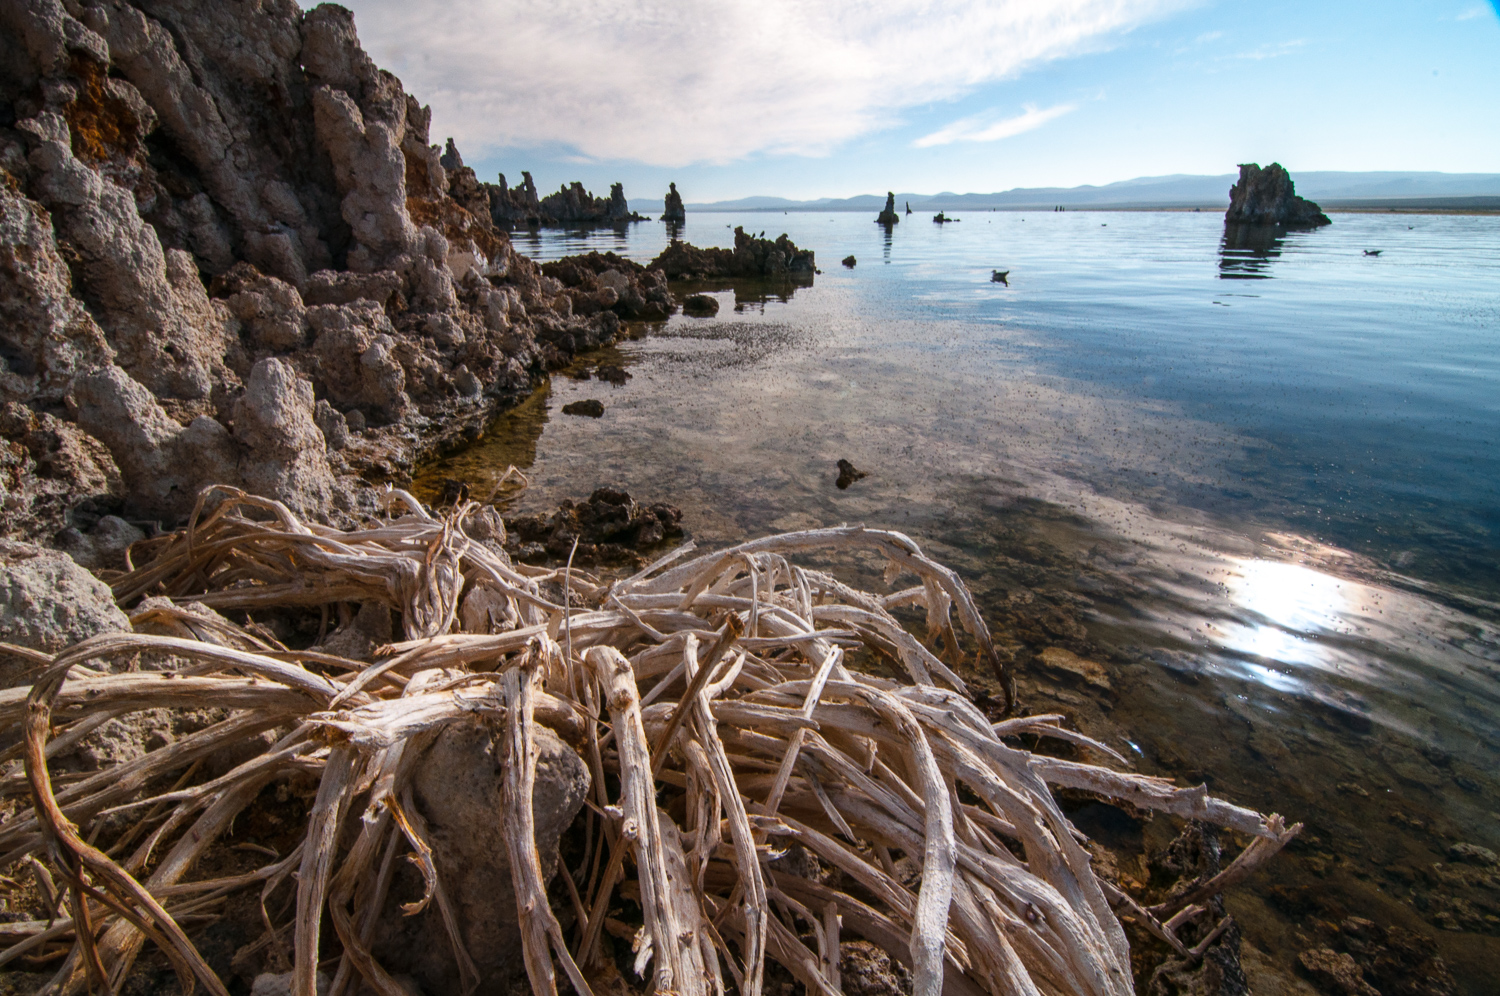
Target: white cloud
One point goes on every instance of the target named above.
(983, 128)
(1274, 51)
(667, 82)
(1478, 10)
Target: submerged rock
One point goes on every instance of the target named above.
(888, 215)
(848, 474)
(1268, 197)
(590, 407)
(701, 305)
(849, 261)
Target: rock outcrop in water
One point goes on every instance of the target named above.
(752, 258)
(231, 255)
(574, 206)
(672, 210)
(1268, 197)
(515, 207)
(888, 215)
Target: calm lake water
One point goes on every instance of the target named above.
(1257, 480)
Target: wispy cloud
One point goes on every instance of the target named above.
(1272, 51)
(1478, 10)
(983, 128)
(669, 83)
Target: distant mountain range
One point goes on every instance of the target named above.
(1331, 189)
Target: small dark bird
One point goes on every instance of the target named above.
(999, 277)
(1373, 252)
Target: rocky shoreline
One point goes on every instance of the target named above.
(261, 272)
(231, 255)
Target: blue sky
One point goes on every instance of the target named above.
(737, 97)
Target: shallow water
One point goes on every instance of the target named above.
(1258, 478)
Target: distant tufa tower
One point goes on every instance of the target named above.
(889, 216)
(674, 213)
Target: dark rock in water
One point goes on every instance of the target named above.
(673, 213)
(613, 374)
(1268, 197)
(701, 305)
(1373, 252)
(849, 261)
(942, 219)
(908, 207)
(454, 491)
(848, 474)
(888, 215)
(590, 407)
(610, 528)
(751, 257)
(1000, 277)
(570, 206)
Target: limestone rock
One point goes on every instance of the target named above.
(590, 407)
(1070, 665)
(163, 464)
(888, 215)
(751, 257)
(1335, 972)
(48, 602)
(867, 970)
(673, 211)
(1268, 197)
(285, 454)
(193, 189)
(104, 546)
(700, 305)
(457, 787)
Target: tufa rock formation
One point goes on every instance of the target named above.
(603, 281)
(1268, 197)
(888, 215)
(673, 212)
(230, 254)
(751, 257)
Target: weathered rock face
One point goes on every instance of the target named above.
(229, 250)
(570, 206)
(1268, 197)
(47, 602)
(672, 209)
(751, 257)
(457, 788)
(513, 207)
(603, 281)
(888, 215)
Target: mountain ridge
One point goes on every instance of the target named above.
(1175, 190)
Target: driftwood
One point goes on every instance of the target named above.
(716, 682)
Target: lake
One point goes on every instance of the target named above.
(1255, 478)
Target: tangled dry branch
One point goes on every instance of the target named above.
(713, 687)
